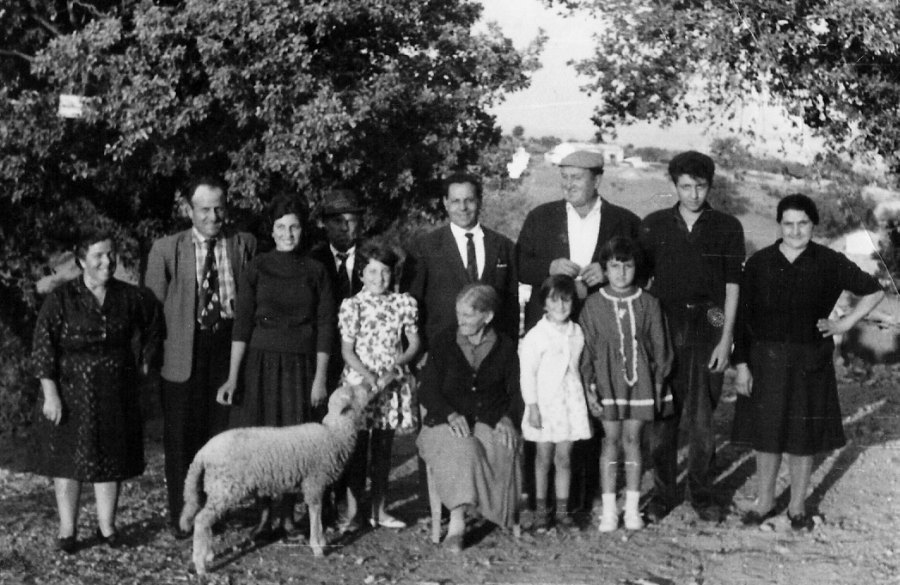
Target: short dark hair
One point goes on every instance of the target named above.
(622, 249)
(694, 164)
(798, 202)
(557, 285)
(481, 297)
(214, 181)
(460, 178)
(285, 203)
(90, 235)
(380, 251)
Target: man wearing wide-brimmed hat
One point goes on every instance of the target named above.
(340, 215)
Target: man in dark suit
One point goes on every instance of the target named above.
(565, 237)
(195, 275)
(339, 216)
(450, 257)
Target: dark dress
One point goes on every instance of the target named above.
(86, 349)
(794, 405)
(285, 314)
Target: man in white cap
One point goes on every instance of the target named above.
(565, 236)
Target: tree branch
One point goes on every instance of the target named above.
(46, 24)
(89, 7)
(18, 54)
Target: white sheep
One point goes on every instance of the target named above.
(270, 461)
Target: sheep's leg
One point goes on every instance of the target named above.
(203, 538)
(434, 500)
(265, 511)
(316, 536)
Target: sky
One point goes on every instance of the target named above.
(555, 105)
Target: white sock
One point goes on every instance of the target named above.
(609, 504)
(632, 498)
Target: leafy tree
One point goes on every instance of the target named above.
(518, 132)
(380, 95)
(834, 64)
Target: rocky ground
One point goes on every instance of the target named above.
(856, 492)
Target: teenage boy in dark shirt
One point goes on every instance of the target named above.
(695, 255)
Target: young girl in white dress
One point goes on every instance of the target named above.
(556, 412)
(373, 324)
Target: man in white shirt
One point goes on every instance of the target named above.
(450, 257)
(565, 236)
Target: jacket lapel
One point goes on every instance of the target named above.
(187, 262)
(608, 222)
(491, 253)
(451, 251)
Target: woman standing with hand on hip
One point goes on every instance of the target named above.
(788, 401)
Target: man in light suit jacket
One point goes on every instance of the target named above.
(195, 275)
(450, 257)
(566, 236)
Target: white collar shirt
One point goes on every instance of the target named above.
(351, 259)
(583, 233)
(459, 235)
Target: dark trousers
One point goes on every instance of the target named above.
(191, 414)
(354, 475)
(696, 392)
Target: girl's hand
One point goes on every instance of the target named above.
(743, 383)
(593, 401)
(318, 395)
(52, 409)
(534, 416)
(658, 392)
(386, 379)
(226, 392)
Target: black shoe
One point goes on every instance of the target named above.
(67, 544)
(802, 521)
(656, 511)
(179, 534)
(754, 518)
(709, 512)
(112, 541)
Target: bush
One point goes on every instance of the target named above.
(842, 208)
(17, 395)
(725, 196)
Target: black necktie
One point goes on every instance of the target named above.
(343, 279)
(471, 260)
(210, 303)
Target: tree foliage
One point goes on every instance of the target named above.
(833, 64)
(380, 95)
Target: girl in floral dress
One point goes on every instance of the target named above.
(373, 325)
(626, 360)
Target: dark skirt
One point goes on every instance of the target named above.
(100, 437)
(276, 390)
(793, 407)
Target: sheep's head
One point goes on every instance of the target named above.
(348, 401)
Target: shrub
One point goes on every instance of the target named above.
(17, 387)
(725, 196)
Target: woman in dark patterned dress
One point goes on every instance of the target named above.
(788, 401)
(90, 429)
(282, 336)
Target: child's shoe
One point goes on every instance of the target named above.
(541, 520)
(609, 521)
(633, 520)
(564, 521)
